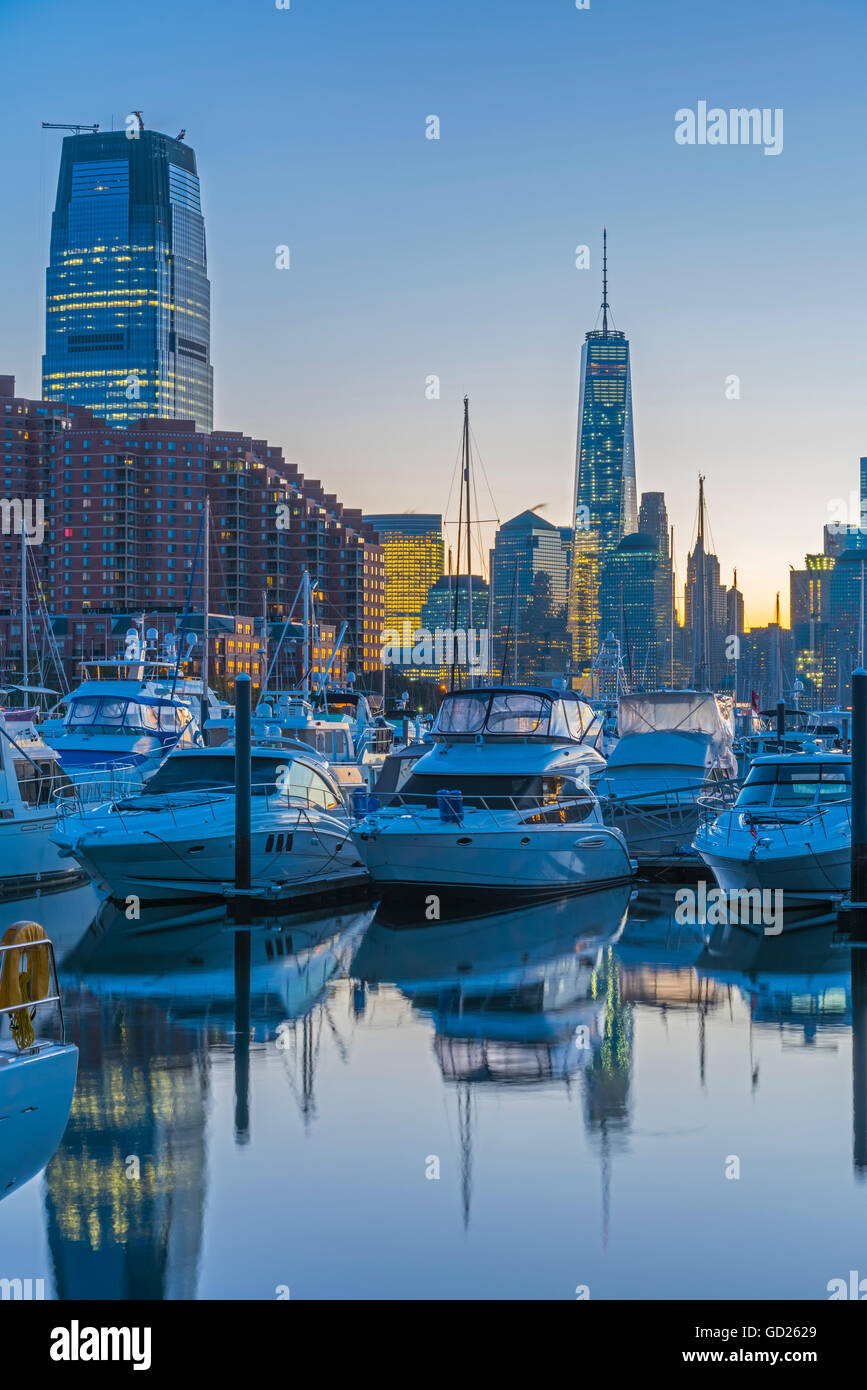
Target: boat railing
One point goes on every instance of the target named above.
(509, 812)
(209, 804)
(786, 822)
(95, 786)
(29, 988)
(375, 739)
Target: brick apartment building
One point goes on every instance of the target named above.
(123, 513)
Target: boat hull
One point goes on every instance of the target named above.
(466, 869)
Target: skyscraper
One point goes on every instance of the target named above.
(530, 579)
(605, 496)
(128, 302)
(635, 604)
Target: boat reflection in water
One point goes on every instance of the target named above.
(797, 982)
(160, 1003)
(524, 998)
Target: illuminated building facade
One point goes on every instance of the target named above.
(605, 502)
(412, 545)
(128, 302)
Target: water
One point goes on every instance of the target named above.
(509, 1108)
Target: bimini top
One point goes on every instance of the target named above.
(679, 712)
(516, 712)
(676, 712)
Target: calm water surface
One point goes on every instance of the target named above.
(509, 1107)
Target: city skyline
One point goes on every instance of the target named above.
(403, 268)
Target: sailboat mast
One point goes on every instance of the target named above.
(206, 593)
(24, 652)
(470, 673)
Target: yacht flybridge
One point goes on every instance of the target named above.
(500, 805)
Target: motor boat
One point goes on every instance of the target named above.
(38, 1067)
(348, 735)
(674, 747)
(176, 837)
(32, 777)
(501, 806)
(116, 715)
(789, 829)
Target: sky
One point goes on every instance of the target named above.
(455, 258)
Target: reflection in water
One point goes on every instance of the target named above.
(666, 1039)
(157, 1006)
(523, 998)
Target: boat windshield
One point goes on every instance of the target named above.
(784, 784)
(212, 773)
(112, 714)
(510, 713)
(497, 793)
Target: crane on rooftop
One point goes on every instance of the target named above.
(63, 125)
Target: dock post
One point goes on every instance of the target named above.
(781, 724)
(858, 887)
(243, 780)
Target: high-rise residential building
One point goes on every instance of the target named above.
(128, 303)
(605, 508)
(530, 564)
(412, 545)
(122, 530)
(635, 598)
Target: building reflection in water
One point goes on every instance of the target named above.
(125, 1192)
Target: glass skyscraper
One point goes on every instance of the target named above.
(128, 302)
(605, 507)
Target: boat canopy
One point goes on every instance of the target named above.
(680, 712)
(517, 713)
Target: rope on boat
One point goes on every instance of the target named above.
(24, 979)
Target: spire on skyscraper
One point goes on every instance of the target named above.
(605, 282)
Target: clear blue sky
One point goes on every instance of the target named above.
(455, 257)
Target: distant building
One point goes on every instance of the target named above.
(128, 302)
(705, 612)
(530, 564)
(635, 604)
(446, 610)
(605, 506)
(412, 546)
(810, 611)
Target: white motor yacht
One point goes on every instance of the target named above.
(501, 805)
(789, 829)
(176, 837)
(674, 746)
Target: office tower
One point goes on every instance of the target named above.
(809, 608)
(128, 303)
(604, 508)
(446, 610)
(530, 564)
(653, 521)
(846, 640)
(412, 545)
(635, 604)
(705, 610)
